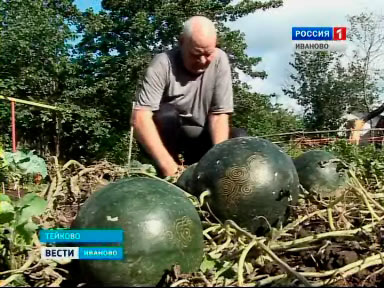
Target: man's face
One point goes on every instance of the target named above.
(198, 53)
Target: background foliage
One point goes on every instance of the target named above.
(329, 85)
(90, 64)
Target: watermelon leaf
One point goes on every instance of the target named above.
(207, 264)
(27, 230)
(34, 165)
(5, 198)
(30, 205)
(3, 161)
(7, 212)
(26, 163)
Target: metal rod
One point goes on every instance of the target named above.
(28, 102)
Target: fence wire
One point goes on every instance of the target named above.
(307, 139)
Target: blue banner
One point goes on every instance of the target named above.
(81, 236)
(312, 33)
(100, 253)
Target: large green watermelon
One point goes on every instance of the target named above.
(161, 229)
(319, 172)
(251, 181)
(186, 181)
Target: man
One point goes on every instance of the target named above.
(185, 99)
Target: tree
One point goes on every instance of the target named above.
(37, 65)
(120, 41)
(327, 89)
(33, 48)
(366, 33)
(34, 58)
(256, 112)
(322, 86)
(95, 82)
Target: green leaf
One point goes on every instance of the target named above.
(18, 281)
(3, 161)
(26, 200)
(31, 205)
(226, 270)
(34, 165)
(26, 163)
(7, 212)
(5, 198)
(207, 264)
(26, 231)
(16, 157)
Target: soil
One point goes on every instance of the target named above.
(15, 194)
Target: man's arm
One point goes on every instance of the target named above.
(222, 101)
(147, 134)
(219, 127)
(148, 99)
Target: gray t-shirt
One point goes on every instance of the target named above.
(195, 96)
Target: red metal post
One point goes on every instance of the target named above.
(13, 126)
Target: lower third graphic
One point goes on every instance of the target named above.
(82, 253)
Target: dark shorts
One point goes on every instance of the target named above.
(181, 137)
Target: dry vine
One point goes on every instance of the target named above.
(327, 242)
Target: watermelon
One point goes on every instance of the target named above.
(161, 229)
(251, 181)
(186, 181)
(319, 172)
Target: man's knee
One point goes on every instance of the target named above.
(238, 132)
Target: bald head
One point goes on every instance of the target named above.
(198, 43)
(199, 25)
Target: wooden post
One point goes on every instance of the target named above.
(57, 136)
(13, 120)
(131, 139)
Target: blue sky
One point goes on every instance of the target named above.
(268, 35)
(84, 4)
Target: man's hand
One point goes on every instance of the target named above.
(169, 168)
(176, 176)
(147, 134)
(219, 127)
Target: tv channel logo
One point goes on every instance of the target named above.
(339, 33)
(319, 38)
